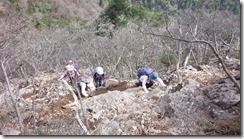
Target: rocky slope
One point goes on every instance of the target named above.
(206, 103)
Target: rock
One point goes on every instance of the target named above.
(140, 93)
(120, 109)
(154, 92)
(24, 91)
(191, 68)
(155, 97)
(126, 112)
(97, 115)
(9, 131)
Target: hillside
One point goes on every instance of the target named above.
(200, 38)
(82, 10)
(205, 103)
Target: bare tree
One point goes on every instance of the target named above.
(214, 27)
(11, 28)
(11, 94)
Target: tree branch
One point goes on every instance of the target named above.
(213, 49)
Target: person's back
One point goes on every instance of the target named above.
(144, 71)
(146, 78)
(85, 83)
(75, 65)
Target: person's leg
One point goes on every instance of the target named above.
(150, 84)
(97, 83)
(103, 83)
(91, 86)
(79, 87)
(83, 89)
(95, 80)
(100, 82)
(138, 84)
(71, 80)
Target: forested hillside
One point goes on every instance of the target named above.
(61, 30)
(39, 37)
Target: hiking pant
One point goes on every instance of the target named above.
(99, 82)
(86, 87)
(150, 84)
(83, 89)
(72, 80)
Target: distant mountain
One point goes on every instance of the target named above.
(52, 12)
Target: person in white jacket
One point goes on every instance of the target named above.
(147, 81)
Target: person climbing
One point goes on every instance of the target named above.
(147, 77)
(80, 80)
(85, 83)
(99, 77)
(76, 66)
(70, 72)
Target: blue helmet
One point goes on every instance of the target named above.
(153, 75)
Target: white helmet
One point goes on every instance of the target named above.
(70, 62)
(99, 70)
(69, 68)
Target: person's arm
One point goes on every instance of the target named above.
(63, 75)
(94, 75)
(105, 77)
(161, 82)
(93, 72)
(144, 81)
(76, 66)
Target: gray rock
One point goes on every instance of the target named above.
(9, 131)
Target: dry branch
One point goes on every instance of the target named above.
(76, 107)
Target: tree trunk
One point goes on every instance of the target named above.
(187, 57)
(77, 107)
(225, 68)
(14, 101)
(204, 54)
(177, 73)
(196, 61)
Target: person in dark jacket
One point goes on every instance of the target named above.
(99, 77)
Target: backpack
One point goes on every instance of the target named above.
(144, 71)
(86, 78)
(76, 66)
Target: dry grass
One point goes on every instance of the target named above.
(224, 127)
(4, 117)
(57, 106)
(27, 95)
